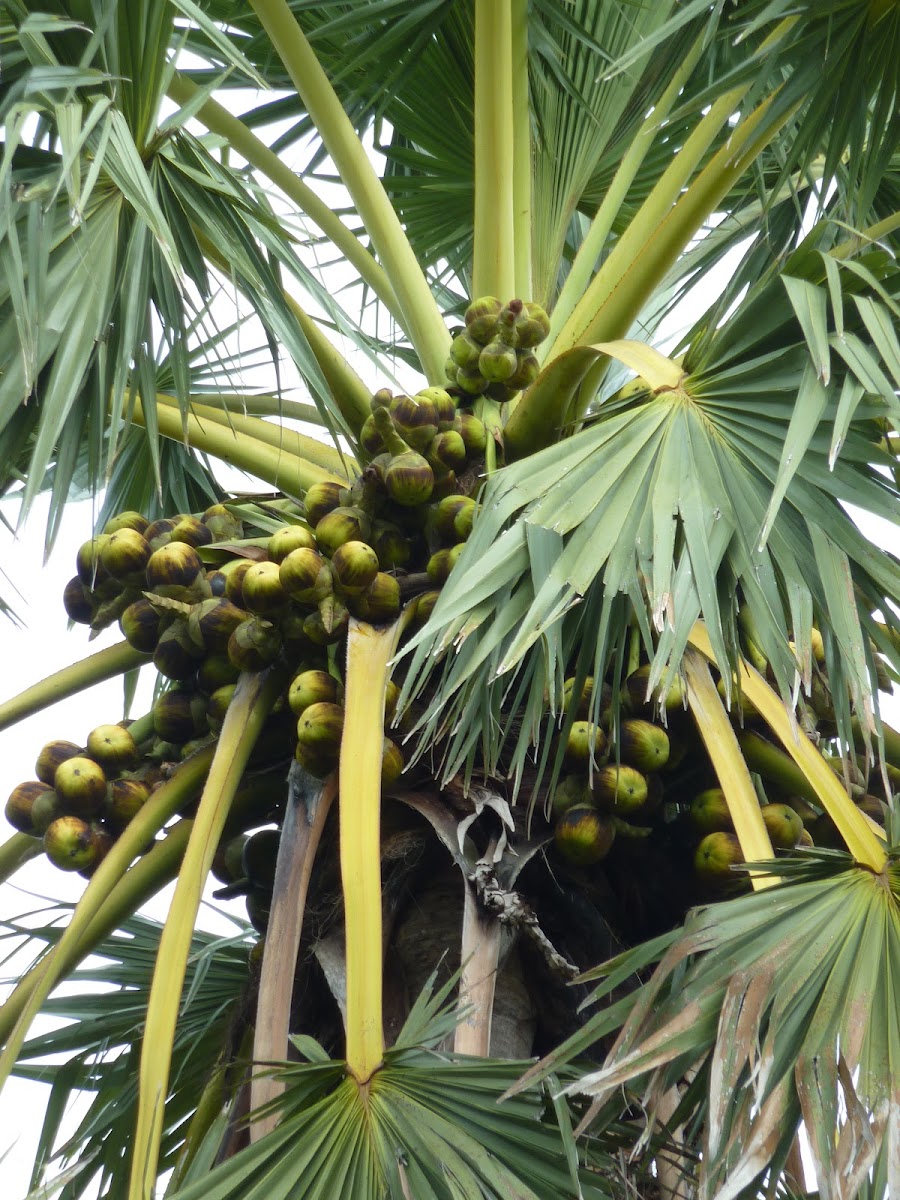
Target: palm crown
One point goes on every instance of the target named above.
(528, 190)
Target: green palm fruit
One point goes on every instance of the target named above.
(444, 407)
(391, 545)
(125, 553)
(425, 605)
(451, 370)
(391, 698)
(473, 432)
(444, 513)
(159, 533)
(320, 499)
(191, 530)
(439, 566)
(391, 763)
(214, 672)
(342, 525)
(464, 350)
(260, 858)
(312, 687)
(113, 748)
(380, 602)
(298, 574)
(527, 370)
(481, 318)
(409, 480)
(50, 757)
(381, 399)
(463, 521)
(583, 835)
(571, 790)
(175, 571)
(319, 730)
(126, 520)
(69, 843)
(227, 863)
(314, 626)
(46, 808)
(369, 437)
(218, 706)
(636, 689)
(141, 625)
(81, 785)
(20, 805)
(497, 362)
(447, 451)
(621, 788)
(416, 420)
(262, 590)
(783, 824)
(78, 602)
(586, 743)
(259, 903)
(179, 715)
(507, 322)
(532, 325)
(254, 645)
(584, 703)
(471, 380)
(355, 565)
(709, 812)
(88, 563)
(445, 484)
(738, 699)
(177, 655)
(501, 392)
(291, 537)
(715, 857)
(212, 622)
(224, 525)
(234, 580)
(643, 745)
(124, 800)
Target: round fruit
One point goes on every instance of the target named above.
(159, 533)
(709, 812)
(584, 835)
(380, 602)
(51, 756)
(141, 625)
(299, 572)
(87, 561)
(173, 569)
(81, 784)
(320, 499)
(409, 480)
(355, 565)
(571, 790)
(176, 655)
(342, 524)
(20, 805)
(69, 844)
(218, 706)
(259, 902)
(715, 856)
(586, 743)
(312, 687)
(260, 857)
(643, 745)
(227, 863)
(254, 645)
(481, 318)
(191, 531)
(263, 593)
(178, 716)
(212, 622)
(234, 582)
(622, 788)
(127, 520)
(125, 553)
(222, 524)
(291, 537)
(77, 602)
(214, 672)
(391, 763)
(124, 800)
(783, 824)
(112, 747)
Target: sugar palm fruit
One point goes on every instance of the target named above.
(312, 687)
(715, 857)
(51, 755)
(643, 745)
(391, 699)
(225, 526)
(379, 602)
(191, 530)
(254, 645)
(381, 399)
(571, 790)
(141, 625)
(408, 478)
(442, 515)
(425, 605)
(128, 519)
(262, 590)
(354, 565)
(45, 809)
(391, 762)
(472, 431)
(497, 361)
(179, 715)
(88, 563)
(636, 691)
(125, 798)
(391, 545)
(234, 580)
(212, 622)
(532, 325)
(291, 537)
(482, 317)
(444, 407)
(176, 655)
(316, 631)
(81, 785)
(585, 744)
(584, 835)
(527, 370)
(20, 804)
(259, 903)
(464, 350)
(342, 524)
(319, 730)
(463, 521)
(320, 499)
(470, 380)
(227, 864)
(218, 706)
(175, 571)
(415, 419)
(259, 858)
(299, 572)
(621, 788)
(69, 843)
(124, 554)
(215, 671)
(709, 812)
(78, 602)
(584, 703)
(159, 533)
(447, 452)
(113, 748)
(783, 824)
(439, 566)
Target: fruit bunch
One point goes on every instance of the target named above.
(494, 355)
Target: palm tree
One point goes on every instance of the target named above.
(633, 516)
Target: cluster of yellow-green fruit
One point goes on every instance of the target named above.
(494, 355)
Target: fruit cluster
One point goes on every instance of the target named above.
(494, 355)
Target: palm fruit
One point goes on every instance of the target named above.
(69, 843)
(571, 790)
(217, 581)
(482, 318)
(319, 730)
(312, 687)
(621, 788)
(51, 755)
(805, 839)
(709, 812)
(391, 762)
(381, 399)
(191, 531)
(408, 477)
(439, 566)
(127, 520)
(472, 431)
(443, 404)
(442, 515)
(425, 606)
(179, 715)
(259, 904)
(113, 748)
(391, 545)
(464, 350)
(125, 553)
(342, 524)
(141, 625)
(391, 699)
(471, 380)
(78, 602)
(715, 856)
(527, 370)
(369, 437)
(215, 671)
(174, 571)
(584, 835)
(20, 804)
(447, 451)
(291, 537)
(45, 809)
(316, 631)
(299, 572)
(586, 743)
(463, 521)
(176, 655)
(643, 745)
(81, 785)
(415, 419)
(234, 581)
(222, 524)
(124, 800)
(636, 690)
(584, 703)
(218, 706)
(159, 533)
(497, 361)
(355, 565)
(872, 807)
(254, 645)
(262, 590)
(783, 824)
(532, 325)
(87, 561)
(212, 622)
(259, 858)
(321, 499)
(380, 602)
(227, 864)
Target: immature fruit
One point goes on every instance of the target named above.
(218, 706)
(584, 702)
(192, 531)
(45, 809)
(113, 748)
(262, 589)
(315, 630)
(227, 863)
(464, 350)
(636, 688)
(173, 570)
(254, 645)
(444, 408)
(342, 524)
(159, 533)
(320, 499)
(51, 756)
(299, 572)
(124, 800)
(355, 565)
(215, 671)
(69, 844)
(497, 361)
(320, 726)
(571, 790)
(409, 479)
(87, 561)
(127, 520)
(222, 524)
(472, 431)
(482, 317)
(20, 805)
(783, 824)
(291, 537)
(260, 857)
(532, 325)
(81, 784)
(447, 451)
(176, 655)
(312, 687)
(141, 625)
(212, 623)
(391, 762)
(425, 605)
(259, 904)
(643, 745)
(709, 812)
(391, 545)
(380, 602)
(715, 856)
(179, 716)
(125, 553)
(234, 582)
(471, 380)
(416, 420)
(584, 835)
(585, 743)
(78, 602)
(622, 788)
